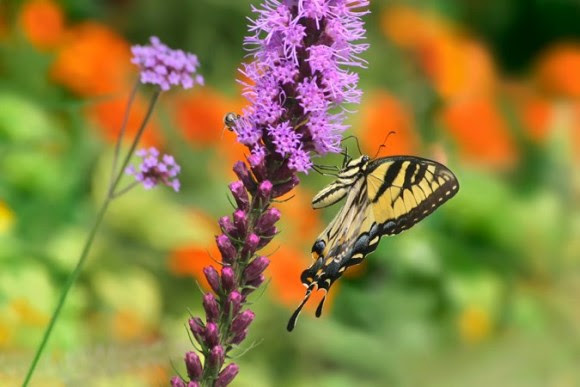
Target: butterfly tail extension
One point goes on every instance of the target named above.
(320, 306)
(294, 317)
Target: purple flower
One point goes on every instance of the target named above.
(163, 66)
(153, 171)
(300, 77)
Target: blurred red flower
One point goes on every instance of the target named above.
(480, 132)
(381, 114)
(558, 70)
(42, 22)
(93, 60)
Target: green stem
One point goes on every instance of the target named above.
(70, 281)
(85, 252)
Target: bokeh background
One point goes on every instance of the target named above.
(484, 292)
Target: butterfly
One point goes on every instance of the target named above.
(383, 196)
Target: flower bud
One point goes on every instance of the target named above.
(250, 245)
(193, 365)
(281, 189)
(258, 166)
(253, 285)
(217, 356)
(193, 384)
(264, 191)
(197, 328)
(240, 195)
(234, 303)
(211, 307)
(243, 321)
(212, 277)
(227, 226)
(227, 375)
(240, 222)
(267, 220)
(177, 382)
(239, 337)
(255, 268)
(241, 170)
(267, 237)
(211, 334)
(228, 279)
(226, 248)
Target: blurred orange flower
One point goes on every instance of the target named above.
(200, 115)
(128, 326)
(93, 60)
(300, 224)
(558, 70)
(458, 66)
(109, 114)
(535, 111)
(382, 114)
(42, 22)
(190, 261)
(480, 132)
(285, 268)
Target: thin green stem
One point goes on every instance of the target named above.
(86, 248)
(122, 131)
(70, 281)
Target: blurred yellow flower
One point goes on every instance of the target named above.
(474, 324)
(6, 218)
(27, 314)
(42, 22)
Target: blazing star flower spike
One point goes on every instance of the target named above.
(165, 67)
(154, 171)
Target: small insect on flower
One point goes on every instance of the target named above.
(230, 120)
(154, 171)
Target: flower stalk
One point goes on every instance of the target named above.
(299, 83)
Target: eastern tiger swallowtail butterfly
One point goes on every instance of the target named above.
(384, 196)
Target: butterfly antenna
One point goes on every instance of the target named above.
(357, 143)
(294, 317)
(320, 306)
(383, 144)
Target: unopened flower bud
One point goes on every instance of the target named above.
(243, 173)
(234, 303)
(217, 356)
(228, 279)
(177, 382)
(250, 246)
(267, 220)
(243, 321)
(193, 365)
(197, 328)
(193, 383)
(211, 334)
(212, 277)
(227, 226)
(226, 248)
(264, 191)
(267, 237)
(258, 166)
(239, 337)
(211, 307)
(240, 195)
(227, 375)
(240, 222)
(253, 285)
(281, 189)
(255, 268)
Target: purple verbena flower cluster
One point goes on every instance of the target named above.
(163, 66)
(154, 171)
(297, 84)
